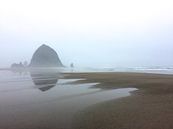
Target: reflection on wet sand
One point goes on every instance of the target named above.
(45, 80)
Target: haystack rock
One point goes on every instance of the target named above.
(45, 56)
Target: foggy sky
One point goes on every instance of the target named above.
(92, 33)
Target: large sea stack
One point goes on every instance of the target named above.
(45, 56)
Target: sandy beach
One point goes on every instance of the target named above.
(86, 101)
(48, 100)
(150, 107)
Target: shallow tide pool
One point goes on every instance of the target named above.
(27, 104)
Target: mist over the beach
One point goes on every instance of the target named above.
(86, 64)
(89, 33)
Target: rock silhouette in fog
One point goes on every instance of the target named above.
(45, 56)
(15, 65)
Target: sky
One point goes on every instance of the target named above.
(89, 33)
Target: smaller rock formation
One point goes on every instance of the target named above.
(16, 66)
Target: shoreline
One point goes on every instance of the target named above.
(150, 107)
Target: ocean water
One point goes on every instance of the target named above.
(157, 70)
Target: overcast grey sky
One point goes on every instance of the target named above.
(91, 33)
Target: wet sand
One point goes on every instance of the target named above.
(150, 107)
(45, 101)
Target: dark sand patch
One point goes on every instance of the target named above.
(151, 107)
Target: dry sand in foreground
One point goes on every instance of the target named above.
(151, 107)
